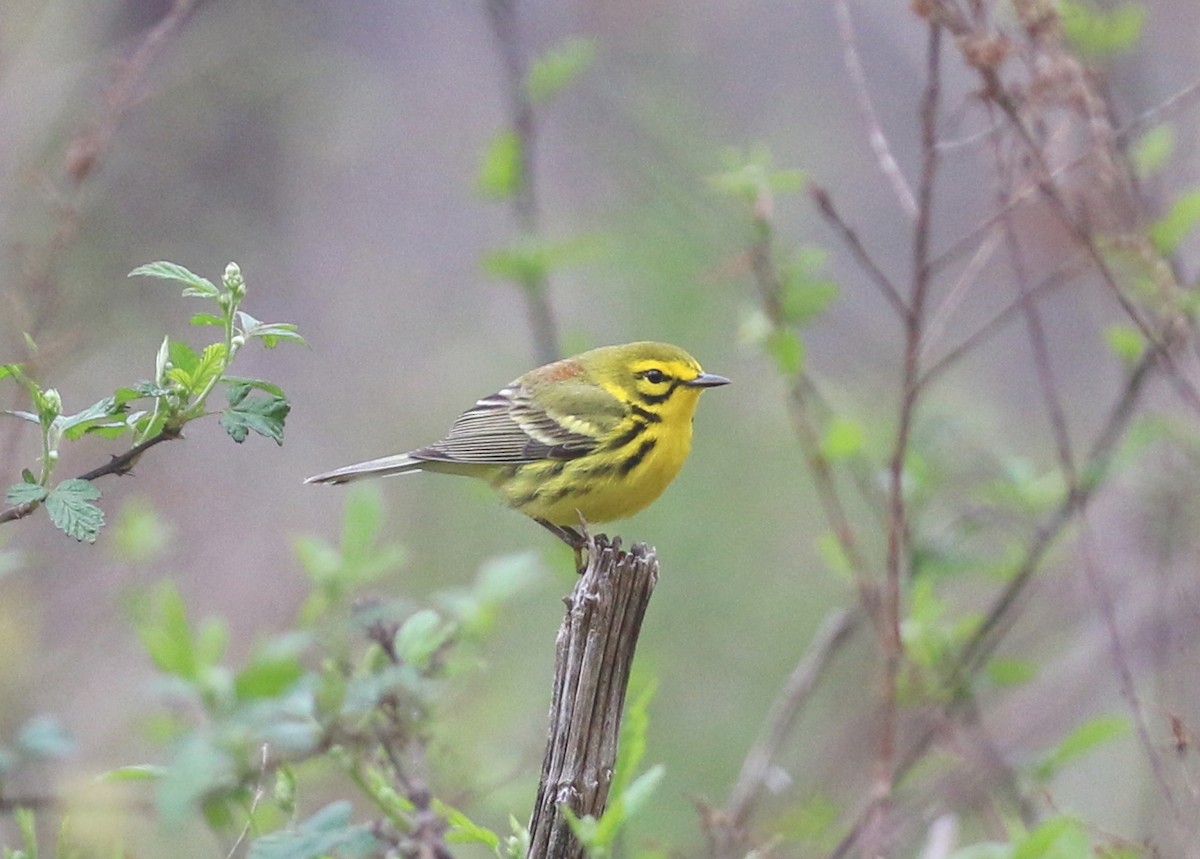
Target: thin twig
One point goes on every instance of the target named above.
(118, 465)
(1000, 615)
(259, 792)
(835, 630)
(825, 206)
(502, 16)
(1050, 282)
(897, 510)
(1095, 579)
(770, 287)
(878, 140)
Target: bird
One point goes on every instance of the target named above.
(589, 439)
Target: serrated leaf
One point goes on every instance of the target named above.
(247, 384)
(212, 362)
(327, 831)
(195, 285)
(70, 509)
(206, 319)
(269, 332)
(182, 356)
(500, 169)
(558, 68)
(263, 415)
(25, 493)
(1172, 228)
(98, 414)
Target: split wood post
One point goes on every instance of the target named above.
(593, 655)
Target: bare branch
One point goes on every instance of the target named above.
(879, 143)
(502, 15)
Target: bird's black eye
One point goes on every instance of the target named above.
(655, 377)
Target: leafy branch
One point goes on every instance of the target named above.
(178, 394)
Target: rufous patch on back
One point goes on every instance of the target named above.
(559, 370)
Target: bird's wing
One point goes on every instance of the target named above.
(510, 427)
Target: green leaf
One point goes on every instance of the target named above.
(462, 829)
(134, 772)
(752, 176)
(272, 671)
(1055, 838)
(558, 68)
(182, 357)
(805, 290)
(263, 415)
(420, 638)
(843, 439)
(198, 766)
(7, 370)
(242, 381)
(1152, 151)
(25, 416)
(269, 332)
(1126, 342)
(1092, 733)
(96, 416)
(70, 509)
(163, 627)
(527, 260)
(139, 534)
(1097, 32)
(327, 831)
(500, 170)
(194, 284)
(1172, 228)
(206, 319)
(787, 349)
(160, 364)
(25, 493)
(1011, 672)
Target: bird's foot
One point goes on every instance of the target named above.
(580, 540)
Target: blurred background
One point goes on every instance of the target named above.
(332, 150)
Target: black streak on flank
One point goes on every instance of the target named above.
(637, 428)
(638, 455)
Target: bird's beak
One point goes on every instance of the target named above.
(707, 380)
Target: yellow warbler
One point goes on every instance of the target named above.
(597, 436)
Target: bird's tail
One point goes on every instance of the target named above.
(397, 464)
